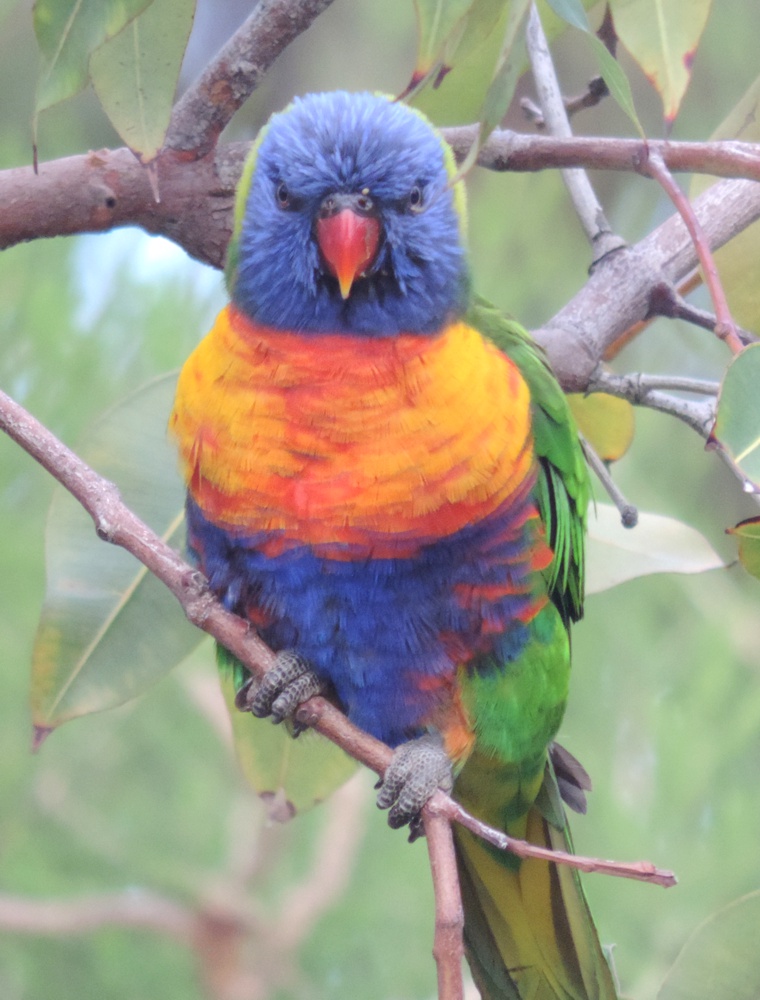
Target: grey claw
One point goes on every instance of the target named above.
(417, 769)
(284, 687)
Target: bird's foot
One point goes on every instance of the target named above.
(285, 686)
(418, 768)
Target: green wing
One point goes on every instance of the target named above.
(563, 483)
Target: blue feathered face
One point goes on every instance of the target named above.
(350, 224)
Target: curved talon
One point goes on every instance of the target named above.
(285, 686)
(417, 770)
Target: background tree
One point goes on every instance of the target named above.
(665, 704)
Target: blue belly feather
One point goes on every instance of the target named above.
(378, 629)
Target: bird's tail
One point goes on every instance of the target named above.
(528, 930)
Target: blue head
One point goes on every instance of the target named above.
(347, 221)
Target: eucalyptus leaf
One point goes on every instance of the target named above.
(721, 958)
(68, 31)
(747, 534)
(738, 261)
(501, 90)
(737, 423)
(612, 72)
(607, 422)
(437, 22)
(289, 774)
(108, 628)
(135, 73)
(657, 544)
(662, 36)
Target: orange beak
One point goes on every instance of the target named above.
(348, 241)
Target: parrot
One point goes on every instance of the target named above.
(384, 478)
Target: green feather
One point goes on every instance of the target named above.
(563, 487)
(528, 929)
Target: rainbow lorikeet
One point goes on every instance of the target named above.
(384, 478)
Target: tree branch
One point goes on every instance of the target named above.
(618, 293)
(206, 108)
(582, 194)
(448, 949)
(646, 390)
(95, 192)
(131, 908)
(725, 327)
(629, 515)
(99, 191)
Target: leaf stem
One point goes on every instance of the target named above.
(654, 166)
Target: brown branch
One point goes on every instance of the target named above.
(106, 189)
(95, 192)
(448, 949)
(641, 871)
(725, 328)
(202, 113)
(585, 202)
(115, 523)
(618, 293)
(522, 152)
(131, 908)
(595, 92)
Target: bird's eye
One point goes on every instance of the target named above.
(283, 195)
(415, 199)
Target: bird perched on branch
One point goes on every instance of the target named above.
(384, 478)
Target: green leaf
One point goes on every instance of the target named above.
(481, 19)
(662, 36)
(721, 958)
(657, 544)
(135, 73)
(571, 11)
(291, 775)
(456, 87)
(737, 423)
(617, 81)
(438, 21)
(108, 628)
(607, 423)
(502, 87)
(612, 72)
(738, 261)
(67, 32)
(748, 536)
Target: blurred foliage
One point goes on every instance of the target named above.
(665, 705)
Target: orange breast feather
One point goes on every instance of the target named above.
(342, 441)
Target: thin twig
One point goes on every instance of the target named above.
(642, 390)
(629, 515)
(206, 108)
(687, 285)
(641, 871)
(115, 523)
(665, 300)
(638, 385)
(725, 328)
(582, 194)
(448, 949)
(594, 93)
(130, 908)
